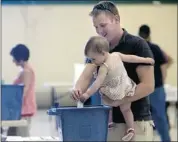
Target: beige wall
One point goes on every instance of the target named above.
(56, 36)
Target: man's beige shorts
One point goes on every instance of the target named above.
(143, 131)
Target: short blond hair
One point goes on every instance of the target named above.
(96, 44)
(104, 6)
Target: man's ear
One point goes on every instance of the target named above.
(117, 17)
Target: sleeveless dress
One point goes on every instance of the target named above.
(29, 106)
(117, 83)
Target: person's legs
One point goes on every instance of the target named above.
(12, 131)
(24, 131)
(157, 101)
(167, 116)
(143, 131)
(154, 128)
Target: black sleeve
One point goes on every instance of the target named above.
(142, 49)
(158, 55)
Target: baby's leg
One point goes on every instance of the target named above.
(111, 124)
(128, 115)
(129, 119)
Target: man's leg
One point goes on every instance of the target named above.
(157, 100)
(143, 131)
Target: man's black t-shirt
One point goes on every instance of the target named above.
(130, 44)
(134, 45)
(159, 60)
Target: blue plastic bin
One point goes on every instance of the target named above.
(11, 102)
(83, 124)
(96, 99)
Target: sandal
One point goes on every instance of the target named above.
(110, 125)
(129, 135)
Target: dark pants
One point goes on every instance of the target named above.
(158, 107)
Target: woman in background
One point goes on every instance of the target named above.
(20, 54)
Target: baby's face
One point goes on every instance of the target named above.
(96, 58)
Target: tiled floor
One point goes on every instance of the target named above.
(42, 125)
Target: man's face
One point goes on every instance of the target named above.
(105, 25)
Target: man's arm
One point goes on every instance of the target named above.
(143, 89)
(163, 60)
(168, 61)
(145, 74)
(168, 58)
(164, 68)
(146, 85)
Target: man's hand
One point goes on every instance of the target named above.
(168, 58)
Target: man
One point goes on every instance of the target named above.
(106, 21)
(157, 98)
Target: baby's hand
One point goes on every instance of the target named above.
(150, 60)
(84, 97)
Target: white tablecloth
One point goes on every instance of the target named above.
(45, 138)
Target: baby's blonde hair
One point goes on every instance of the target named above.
(96, 44)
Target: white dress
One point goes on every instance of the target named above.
(117, 83)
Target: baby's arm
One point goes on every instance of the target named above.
(135, 59)
(84, 80)
(103, 70)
